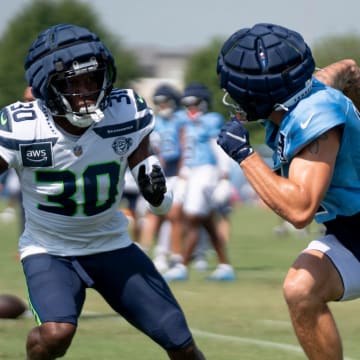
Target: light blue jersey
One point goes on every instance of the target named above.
(197, 139)
(324, 109)
(168, 144)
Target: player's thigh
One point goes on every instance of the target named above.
(56, 292)
(342, 279)
(134, 288)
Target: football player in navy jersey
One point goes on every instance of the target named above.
(314, 130)
(71, 148)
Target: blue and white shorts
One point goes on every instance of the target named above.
(347, 265)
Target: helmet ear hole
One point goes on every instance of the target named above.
(263, 66)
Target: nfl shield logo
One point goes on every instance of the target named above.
(78, 150)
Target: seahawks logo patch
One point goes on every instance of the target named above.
(121, 145)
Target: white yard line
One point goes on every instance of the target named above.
(238, 339)
(222, 337)
(262, 343)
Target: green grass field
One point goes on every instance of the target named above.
(244, 320)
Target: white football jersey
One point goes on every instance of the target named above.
(72, 186)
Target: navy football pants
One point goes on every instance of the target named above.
(127, 280)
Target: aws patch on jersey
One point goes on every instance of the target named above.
(36, 155)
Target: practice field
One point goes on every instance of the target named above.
(244, 320)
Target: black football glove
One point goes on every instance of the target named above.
(153, 185)
(234, 139)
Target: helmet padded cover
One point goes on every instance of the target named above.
(169, 92)
(198, 90)
(54, 51)
(263, 66)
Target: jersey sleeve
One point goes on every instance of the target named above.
(144, 115)
(9, 144)
(312, 123)
(128, 119)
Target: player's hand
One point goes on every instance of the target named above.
(153, 185)
(234, 139)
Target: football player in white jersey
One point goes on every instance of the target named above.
(71, 148)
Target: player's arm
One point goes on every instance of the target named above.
(3, 173)
(296, 198)
(149, 175)
(343, 75)
(3, 165)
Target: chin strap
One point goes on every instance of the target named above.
(295, 98)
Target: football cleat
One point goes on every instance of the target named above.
(223, 272)
(177, 273)
(200, 264)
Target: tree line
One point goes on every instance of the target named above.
(201, 65)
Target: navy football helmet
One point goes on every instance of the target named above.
(57, 59)
(264, 68)
(196, 98)
(167, 100)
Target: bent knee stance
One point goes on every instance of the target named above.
(291, 290)
(302, 297)
(50, 340)
(294, 290)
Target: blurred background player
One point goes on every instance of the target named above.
(201, 169)
(133, 205)
(10, 190)
(165, 140)
(10, 185)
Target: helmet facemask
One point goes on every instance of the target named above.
(79, 92)
(195, 106)
(196, 99)
(236, 111)
(56, 59)
(165, 106)
(166, 100)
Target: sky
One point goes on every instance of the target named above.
(177, 24)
